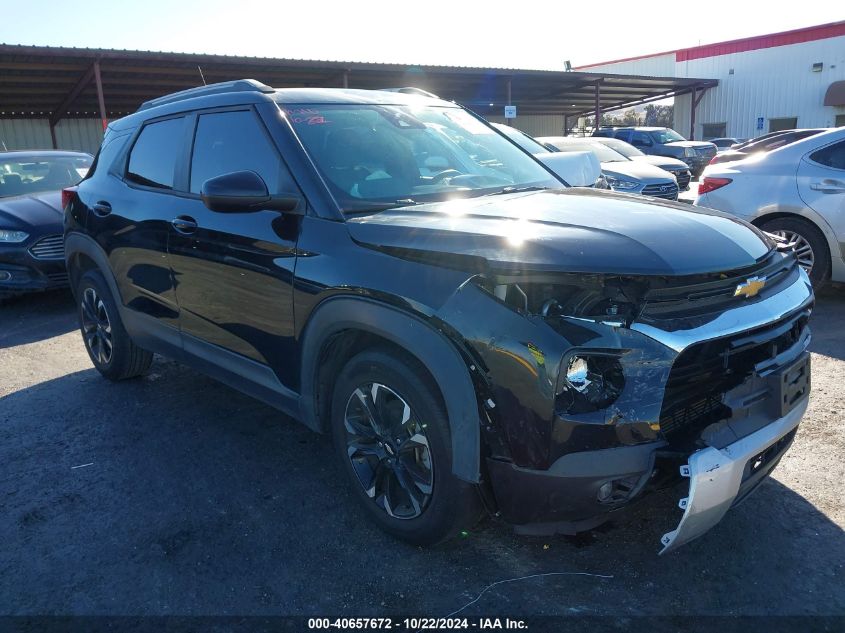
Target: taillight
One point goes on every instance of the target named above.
(67, 195)
(711, 184)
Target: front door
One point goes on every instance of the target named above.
(234, 271)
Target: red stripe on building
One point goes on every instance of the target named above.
(785, 38)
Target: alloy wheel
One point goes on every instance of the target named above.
(389, 450)
(96, 327)
(803, 249)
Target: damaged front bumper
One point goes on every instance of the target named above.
(721, 478)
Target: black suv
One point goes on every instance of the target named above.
(664, 141)
(390, 269)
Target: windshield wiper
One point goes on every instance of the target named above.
(515, 190)
(381, 206)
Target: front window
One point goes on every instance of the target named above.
(373, 156)
(666, 135)
(25, 174)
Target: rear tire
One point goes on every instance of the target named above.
(391, 434)
(810, 245)
(108, 344)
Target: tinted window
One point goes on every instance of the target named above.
(153, 158)
(831, 156)
(641, 139)
(236, 141)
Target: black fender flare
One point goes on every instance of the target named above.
(431, 347)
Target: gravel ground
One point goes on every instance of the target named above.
(173, 494)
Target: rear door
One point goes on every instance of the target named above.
(821, 184)
(130, 210)
(234, 271)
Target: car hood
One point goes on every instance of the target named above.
(663, 162)
(566, 230)
(690, 144)
(638, 170)
(34, 211)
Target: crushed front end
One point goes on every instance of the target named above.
(598, 389)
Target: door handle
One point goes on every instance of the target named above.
(828, 185)
(102, 208)
(184, 224)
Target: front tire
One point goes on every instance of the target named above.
(391, 434)
(809, 245)
(108, 344)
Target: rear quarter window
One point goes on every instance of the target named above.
(152, 160)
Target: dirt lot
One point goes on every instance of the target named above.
(172, 494)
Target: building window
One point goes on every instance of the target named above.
(840, 120)
(713, 130)
(786, 123)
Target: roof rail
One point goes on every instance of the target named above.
(239, 85)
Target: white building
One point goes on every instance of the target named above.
(766, 83)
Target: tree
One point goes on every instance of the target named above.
(660, 115)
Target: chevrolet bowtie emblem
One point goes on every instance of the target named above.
(750, 287)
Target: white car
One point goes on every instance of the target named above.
(578, 169)
(796, 192)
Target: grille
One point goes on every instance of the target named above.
(667, 191)
(703, 294)
(683, 177)
(709, 152)
(703, 373)
(50, 247)
(58, 278)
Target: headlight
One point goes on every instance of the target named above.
(12, 236)
(622, 185)
(589, 382)
(689, 152)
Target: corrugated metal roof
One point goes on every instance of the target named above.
(56, 82)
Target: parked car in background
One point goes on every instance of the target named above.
(578, 169)
(622, 174)
(796, 192)
(678, 168)
(31, 183)
(724, 143)
(480, 337)
(664, 141)
(764, 144)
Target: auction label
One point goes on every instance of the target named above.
(419, 624)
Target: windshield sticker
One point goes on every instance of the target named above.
(307, 116)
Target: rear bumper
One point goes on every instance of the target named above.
(721, 478)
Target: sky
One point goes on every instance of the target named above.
(525, 34)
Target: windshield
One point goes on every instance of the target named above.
(626, 149)
(374, 156)
(666, 135)
(24, 174)
(522, 139)
(603, 153)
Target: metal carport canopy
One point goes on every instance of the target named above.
(54, 83)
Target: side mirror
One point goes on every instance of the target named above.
(244, 191)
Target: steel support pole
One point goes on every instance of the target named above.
(692, 106)
(597, 123)
(509, 121)
(98, 80)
